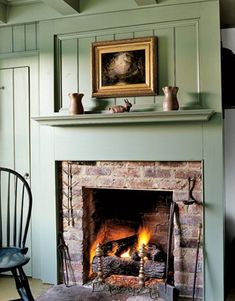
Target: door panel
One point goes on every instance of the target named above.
(6, 118)
(21, 119)
(15, 125)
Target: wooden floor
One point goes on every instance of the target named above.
(8, 290)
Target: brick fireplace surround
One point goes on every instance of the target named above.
(170, 176)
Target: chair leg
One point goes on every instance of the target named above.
(22, 284)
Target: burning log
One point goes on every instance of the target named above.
(117, 247)
(153, 253)
(113, 265)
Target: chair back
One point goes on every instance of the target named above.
(15, 208)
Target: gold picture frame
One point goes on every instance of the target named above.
(125, 67)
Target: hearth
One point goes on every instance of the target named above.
(125, 207)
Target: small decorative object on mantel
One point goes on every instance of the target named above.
(120, 108)
(170, 101)
(76, 106)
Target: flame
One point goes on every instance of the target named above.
(144, 235)
(99, 240)
(126, 254)
(113, 251)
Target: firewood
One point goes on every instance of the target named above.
(154, 269)
(122, 245)
(113, 265)
(155, 254)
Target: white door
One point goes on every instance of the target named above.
(15, 124)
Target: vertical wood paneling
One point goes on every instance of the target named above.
(143, 100)
(31, 36)
(22, 130)
(21, 109)
(14, 105)
(186, 58)
(165, 63)
(84, 70)
(18, 38)
(177, 51)
(124, 35)
(69, 65)
(6, 39)
(6, 124)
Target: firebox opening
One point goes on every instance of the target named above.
(121, 220)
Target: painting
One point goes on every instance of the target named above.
(124, 67)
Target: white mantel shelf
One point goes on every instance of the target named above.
(125, 118)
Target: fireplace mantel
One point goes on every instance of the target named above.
(125, 118)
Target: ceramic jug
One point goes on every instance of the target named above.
(76, 106)
(170, 101)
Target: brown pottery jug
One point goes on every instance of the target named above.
(76, 106)
(170, 101)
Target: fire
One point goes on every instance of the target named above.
(144, 235)
(126, 254)
(99, 240)
(113, 251)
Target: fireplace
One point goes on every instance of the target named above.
(109, 202)
(121, 220)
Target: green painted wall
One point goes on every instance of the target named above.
(18, 38)
(188, 56)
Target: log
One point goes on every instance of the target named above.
(113, 265)
(154, 269)
(122, 245)
(117, 266)
(155, 254)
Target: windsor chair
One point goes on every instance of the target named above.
(15, 213)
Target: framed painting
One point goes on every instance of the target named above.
(124, 67)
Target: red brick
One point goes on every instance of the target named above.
(173, 164)
(127, 172)
(179, 195)
(195, 165)
(185, 174)
(157, 173)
